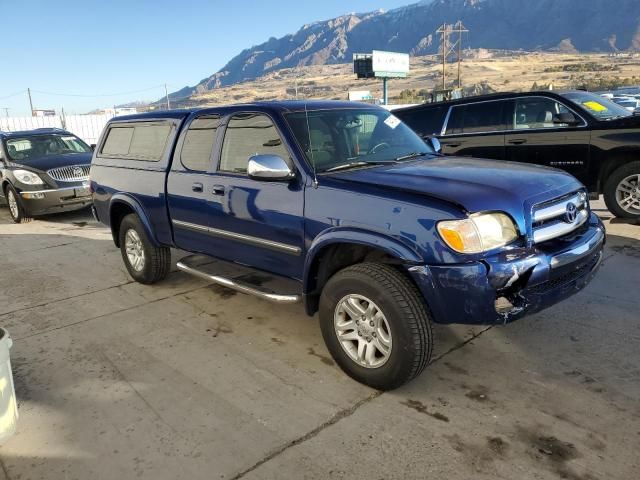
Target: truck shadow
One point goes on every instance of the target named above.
(82, 327)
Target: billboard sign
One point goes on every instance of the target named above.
(390, 64)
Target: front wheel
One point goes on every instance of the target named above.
(16, 209)
(376, 326)
(145, 262)
(622, 191)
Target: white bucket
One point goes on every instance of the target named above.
(8, 404)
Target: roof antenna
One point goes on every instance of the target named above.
(313, 160)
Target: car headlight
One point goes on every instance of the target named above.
(27, 177)
(478, 233)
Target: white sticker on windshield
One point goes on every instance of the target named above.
(68, 139)
(392, 122)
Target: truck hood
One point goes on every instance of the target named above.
(475, 185)
(53, 161)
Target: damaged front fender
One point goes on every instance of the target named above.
(508, 285)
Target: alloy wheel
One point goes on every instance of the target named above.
(134, 249)
(363, 331)
(13, 204)
(628, 194)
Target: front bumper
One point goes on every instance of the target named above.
(514, 283)
(42, 202)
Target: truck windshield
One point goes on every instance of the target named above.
(599, 107)
(342, 138)
(23, 149)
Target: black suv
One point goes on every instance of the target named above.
(43, 171)
(587, 135)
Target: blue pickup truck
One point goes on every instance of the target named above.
(343, 207)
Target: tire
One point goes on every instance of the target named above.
(622, 191)
(155, 261)
(405, 323)
(18, 212)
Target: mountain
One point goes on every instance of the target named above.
(553, 25)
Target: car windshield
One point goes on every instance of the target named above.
(599, 107)
(343, 138)
(23, 149)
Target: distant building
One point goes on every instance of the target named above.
(43, 113)
(114, 112)
(360, 96)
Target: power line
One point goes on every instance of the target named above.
(57, 94)
(21, 92)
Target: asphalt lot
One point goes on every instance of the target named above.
(185, 380)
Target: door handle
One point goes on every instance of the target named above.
(452, 144)
(217, 189)
(517, 141)
(197, 187)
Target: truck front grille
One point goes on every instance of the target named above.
(73, 173)
(560, 216)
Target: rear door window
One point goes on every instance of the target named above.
(142, 141)
(482, 117)
(198, 143)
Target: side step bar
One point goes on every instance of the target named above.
(236, 285)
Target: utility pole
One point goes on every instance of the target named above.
(448, 47)
(166, 94)
(443, 31)
(30, 101)
(459, 26)
(6, 111)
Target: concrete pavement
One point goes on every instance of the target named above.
(117, 380)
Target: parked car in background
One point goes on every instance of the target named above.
(43, 171)
(628, 103)
(585, 134)
(345, 208)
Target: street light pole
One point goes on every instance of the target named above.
(166, 94)
(30, 101)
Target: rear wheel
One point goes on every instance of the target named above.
(376, 326)
(18, 212)
(145, 262)
(622, 191)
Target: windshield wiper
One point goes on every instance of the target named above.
(411, 155)
(359, 163)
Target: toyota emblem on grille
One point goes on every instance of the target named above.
(77, 172)
(571, 213)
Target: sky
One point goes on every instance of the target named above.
(83, 55)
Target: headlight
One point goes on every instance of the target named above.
(27, 177)
(478, 233)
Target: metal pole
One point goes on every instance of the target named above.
(385, 91)
(444, 56)
(30, 101)
(166, 94)
(459, 52)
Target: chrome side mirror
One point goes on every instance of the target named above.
(269, 168)
(435, 144)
